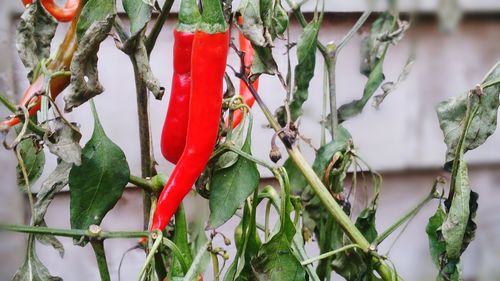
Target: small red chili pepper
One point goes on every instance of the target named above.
(61, 61)
(208, 63)
(248, 98)
(173, 137)
(61, 14)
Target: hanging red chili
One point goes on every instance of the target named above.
(208, 63)
(248, 98)
(173, 137)
(61, 61)
(60, 14)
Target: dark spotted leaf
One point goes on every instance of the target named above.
(32, 268)
(33, 160)
(451, 114)
(34, 34)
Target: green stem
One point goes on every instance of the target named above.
(362, 19)
(329, 254)
(150, 40)
(151, 254)
(215, 265)
(12, 108)
(404, 218)
(143, 183)
(73, 233)
(249, 156)
(100, 254)
(331, 68)
(490, 83)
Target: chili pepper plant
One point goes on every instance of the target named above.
(207, 136)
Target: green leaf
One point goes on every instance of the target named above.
(237, 139)
(297, 180)
(275, 261)
(263, 62)
(373, 50)
(366, 219)
(34, 161)
(231, 186)
(304, 70)
(354, 265)
(355, 107)
(139, 14)
(97, 184)
(437, 246)
(451, 114)
(279, 19)
(326, 153)
(93, 12)
(32, 268)
(34, 34)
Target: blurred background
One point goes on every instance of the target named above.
(401, 139)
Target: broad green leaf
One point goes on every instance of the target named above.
(297, 180)
(437, 246)
(97, 184)
(33, 160)
(354, 265)
(34, 34)
(304, 70)
(32, 268)
(451, 114)
(373, 50)
(231, 186)
(139, 13)
(275, 261)
(63, 140)
(93, 12)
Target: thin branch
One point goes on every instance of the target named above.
(155, 31)
(73, 233)
(142, 183)
(100, 255)
(331, 253)
(362, 19)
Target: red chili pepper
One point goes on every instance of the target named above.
(248, 98)
(173, 137)
(61, 61)
(208, 63)
(60, 14)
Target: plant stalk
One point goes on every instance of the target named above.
(155, 31)
(72, 233)
(100, 255)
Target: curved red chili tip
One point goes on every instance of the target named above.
(61, 14)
